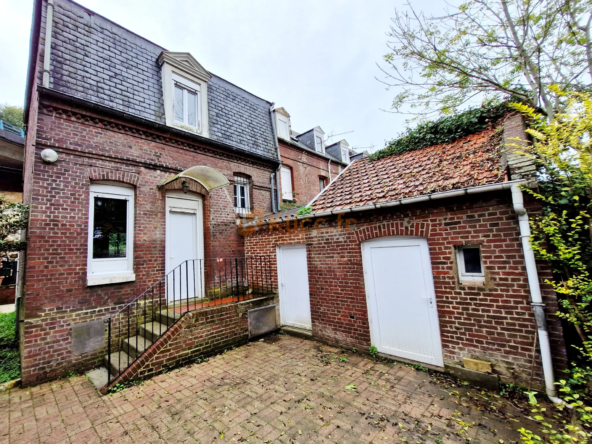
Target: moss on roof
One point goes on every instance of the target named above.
(444, 130)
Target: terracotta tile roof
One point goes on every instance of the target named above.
(471, 161)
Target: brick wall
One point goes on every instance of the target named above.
(95, 146)
(198, 334)
(306, 170)
(494, 322)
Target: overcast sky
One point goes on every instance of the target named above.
(315, 58)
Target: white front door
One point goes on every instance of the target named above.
(401, 299)
(293, 279)
(184, 247)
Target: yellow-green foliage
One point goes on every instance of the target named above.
(561, 235)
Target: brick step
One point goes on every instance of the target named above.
(152, 330)
(136, 345)
(119, 362)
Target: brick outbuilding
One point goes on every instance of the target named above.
(361, 248)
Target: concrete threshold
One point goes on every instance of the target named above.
(298, 332)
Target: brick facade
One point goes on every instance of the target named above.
(96, 146)
(494, 322)
(307, 168)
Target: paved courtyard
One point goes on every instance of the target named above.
(280, 390)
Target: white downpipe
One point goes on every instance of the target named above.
(535, 293)
(47, 53)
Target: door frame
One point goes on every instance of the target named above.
(279, 261)
(371, 302)
(200, 232)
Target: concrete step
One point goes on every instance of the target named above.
(136, 345)
(119, 362)
(152, 330)
(167, 317)
(299, 332)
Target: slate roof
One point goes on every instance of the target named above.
(470, 161)
(296, 143)
(99, 61)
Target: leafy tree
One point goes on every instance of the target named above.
(13, 218)
(491, 50)
(562, 235)
(12, 115)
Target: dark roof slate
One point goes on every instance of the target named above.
(99, 61)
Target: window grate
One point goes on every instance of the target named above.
(242, 201)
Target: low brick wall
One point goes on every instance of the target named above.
(199, 333)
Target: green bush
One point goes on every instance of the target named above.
(10, 368)
(7, 329)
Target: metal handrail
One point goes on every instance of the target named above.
(196, 281)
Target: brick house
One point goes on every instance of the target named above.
(423, 255)
(12, 144)
(138, 162)
(308, 166)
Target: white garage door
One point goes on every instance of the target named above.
(401, 299)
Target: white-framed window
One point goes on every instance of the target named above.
(345, 155)
(286, 178)
(110, 234)
(318, 143)
(322, 183)
(283, 127)
(470, 264)
(242, 203)
(186, 102)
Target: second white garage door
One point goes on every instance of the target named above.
(401, 299)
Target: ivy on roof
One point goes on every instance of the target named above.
(444, 130)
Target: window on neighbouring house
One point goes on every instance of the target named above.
(286, 178)
(322, 183)
(345, 155)
(242, 201)
(283, 127)
(470, 264)
(111, 234)
(318, 144)
(186, 105)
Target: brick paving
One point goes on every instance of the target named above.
(281, 390)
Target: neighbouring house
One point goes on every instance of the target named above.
(12, 143)
(139, 163)
(425, 256)
(308, 166)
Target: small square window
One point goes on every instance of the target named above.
(242, 203)
(470, 264)
(322, 183)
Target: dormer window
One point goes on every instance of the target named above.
(345, 155)
(186, 102)
(185, 90)
(282, 123)
(319, 143)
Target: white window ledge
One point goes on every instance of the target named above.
(110, 279)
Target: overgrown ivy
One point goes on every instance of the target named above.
(444, 130)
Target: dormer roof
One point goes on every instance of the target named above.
(184, 61)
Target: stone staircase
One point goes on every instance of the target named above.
(134, 346)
